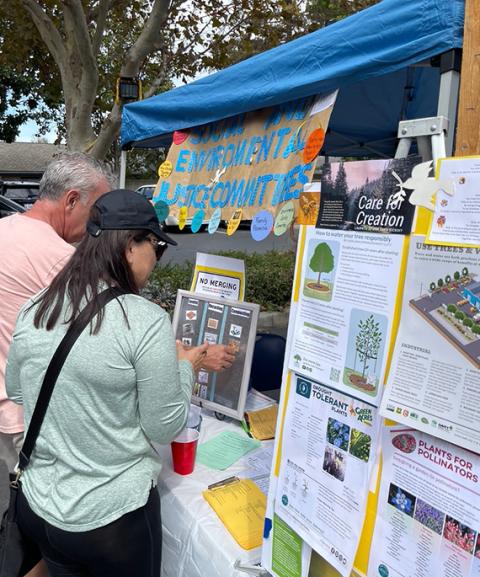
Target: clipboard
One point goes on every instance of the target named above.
(240, 506)
(262, 423)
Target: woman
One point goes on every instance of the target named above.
(88, 495)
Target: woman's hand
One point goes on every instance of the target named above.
(196, 355)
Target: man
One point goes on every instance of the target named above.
(34, 246)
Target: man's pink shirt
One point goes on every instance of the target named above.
(31, 254)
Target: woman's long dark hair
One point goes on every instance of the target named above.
(97, 260)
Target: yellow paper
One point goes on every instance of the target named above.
(262, 423)
(241, 508)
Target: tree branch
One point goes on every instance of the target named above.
(109, 131)
(223, 36)
(149, 39)
(73, 9)
(48, 32)
(101, 20)
(158, 81)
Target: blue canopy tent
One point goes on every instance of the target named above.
(380, 59)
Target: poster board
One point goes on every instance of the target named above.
(318, 566)
(199, 318)
(454, 549)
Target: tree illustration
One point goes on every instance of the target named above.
(367, 342)
(326, 179)
(433, 286)
(341, 186)
(322, 260)
(456, 275)
(440, 282)
(448, 279)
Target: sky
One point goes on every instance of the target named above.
(28, 131)
(357, 172)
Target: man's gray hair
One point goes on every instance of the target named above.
(74, 171)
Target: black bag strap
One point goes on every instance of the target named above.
(55, 366)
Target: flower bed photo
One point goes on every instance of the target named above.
(334, 463)
(429, 516)
(338, 434)
(401, 500)
(460, 534)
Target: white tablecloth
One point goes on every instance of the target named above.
(195, 542)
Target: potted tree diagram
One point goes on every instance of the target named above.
(321, 262)
(367, 342)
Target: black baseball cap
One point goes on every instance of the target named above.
(124, 209)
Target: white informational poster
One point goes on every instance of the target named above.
(329, 449)
(219, 277)
(456, 218)
(344, 320)
(428, 517)
(434, 381)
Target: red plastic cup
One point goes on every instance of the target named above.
(184, 449)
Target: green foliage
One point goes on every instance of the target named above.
(322, 259)
(197, 36)
(360, 444)
(456, 275)
(476, 329)
(468, 322)
(459, 315)
(269, 279)
(440, 282)
(341, 186)
(451, 308)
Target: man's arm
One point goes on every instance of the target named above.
(218, 358)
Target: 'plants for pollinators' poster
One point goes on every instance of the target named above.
(428, 519)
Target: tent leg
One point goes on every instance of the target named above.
(123, 168)
(430, 134)
(403, 147)
(448, 95)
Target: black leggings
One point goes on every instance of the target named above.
(130, 546)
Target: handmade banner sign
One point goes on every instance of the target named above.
(254, 161)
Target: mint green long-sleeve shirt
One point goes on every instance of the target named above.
(119, 389)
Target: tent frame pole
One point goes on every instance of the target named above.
(450, 63)
(123, 168)
(430, 134)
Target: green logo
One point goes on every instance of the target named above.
(383, 571)
(304, 388)
(285, 500)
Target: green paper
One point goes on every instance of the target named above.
(225, 449)
(286, 550)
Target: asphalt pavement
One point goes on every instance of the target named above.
(189, 244)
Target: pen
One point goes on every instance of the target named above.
(223, 483)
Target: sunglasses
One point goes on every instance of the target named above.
(160, 246)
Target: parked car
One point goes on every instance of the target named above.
(9, 206)
(23, 192)
(147, 191)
